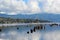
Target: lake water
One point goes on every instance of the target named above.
(14, 33)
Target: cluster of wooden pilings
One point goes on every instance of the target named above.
(41, 27)
(36, 27)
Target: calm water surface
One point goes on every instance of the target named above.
(20, 33)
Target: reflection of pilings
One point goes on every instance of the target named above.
(34, 29)
(0, 30)
(17, 28)
(44, 27)
(31, 30)
(28, 32)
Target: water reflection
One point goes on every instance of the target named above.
(26, 33)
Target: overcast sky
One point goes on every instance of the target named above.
(13, 7)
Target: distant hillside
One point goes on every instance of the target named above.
(11, 20)
(45, 16)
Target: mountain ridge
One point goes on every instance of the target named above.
(46, 16)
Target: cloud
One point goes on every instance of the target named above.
(52, 6)
(14, 7)
(53, 35)
(34, 6)
(19, 6)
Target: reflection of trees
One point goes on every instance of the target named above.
(0, 30)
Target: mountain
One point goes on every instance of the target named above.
(45, 16)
